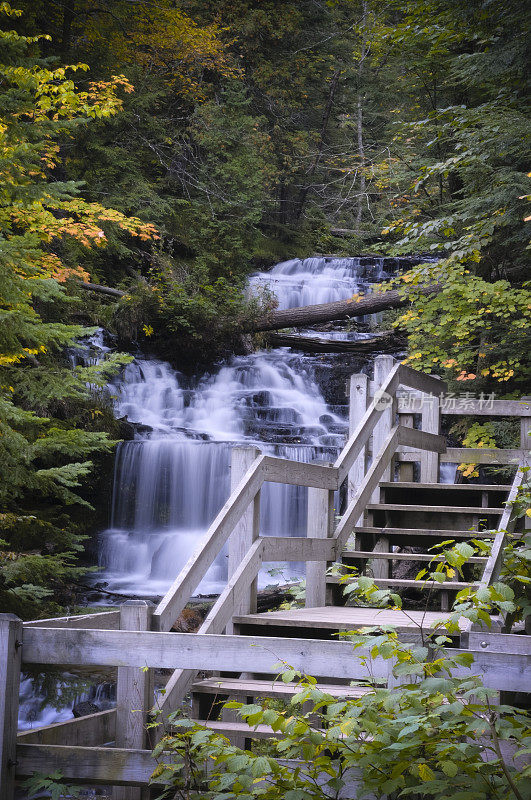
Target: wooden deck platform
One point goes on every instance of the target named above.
(343, 618)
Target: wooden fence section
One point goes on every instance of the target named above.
(500, 659)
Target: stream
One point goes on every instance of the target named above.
(172, 478)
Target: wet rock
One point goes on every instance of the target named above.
(84, 708)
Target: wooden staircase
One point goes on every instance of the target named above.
(395, 511)
(412, 517)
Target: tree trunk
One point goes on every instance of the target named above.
(361, 146)
(96, 287)
(315, 344)
(306, 316)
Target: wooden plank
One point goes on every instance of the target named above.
(358, 503)
(198, 564)
(469, 455)
(406, 583)
(383, 366)
(247, 530)
(87, 765)
(411, 404)
(445, 487)
(507, 672)
(275, 688)
(517, 644)
(298, 548)
(133, 687)
(91, 730)
(406, 470)
(344, 618)
(358, 402)
(430, 419)
(298, 473)
(220, 614)
(320, 526)
(192, 651)
(405, 556)
(428, 384)
(423, 440)
(246, 732)
(445, 533)
(475, 510)
(107, 620)
(360, 435)
(10, 661)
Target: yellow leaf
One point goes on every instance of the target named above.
(425, 772)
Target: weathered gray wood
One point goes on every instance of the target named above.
(405, 469)
(320, 526)
(503, 671)
(10, 660)
(358, 402)
(272, 688)
(525, 444)
(407, 583)
(345, 618)
(134, 695)
(383, 367)
(500, 642)
(298, 548)
(220, 614)
(451, 487)
(192, 651)
(427, 384)
(219, 531)
(247, 530)
(92, 730)
(421, 439)
(427, 557)
(475, 455)
(108, 620)
(429, 462)
(438, 534)
(435, 509)
(298, 473)
(411, 403)
(358, 503)
(360, 436)
(88, 765)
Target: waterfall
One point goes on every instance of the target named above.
(173, 478)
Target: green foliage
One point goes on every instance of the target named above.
(44, 455)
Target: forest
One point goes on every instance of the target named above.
(168, 150)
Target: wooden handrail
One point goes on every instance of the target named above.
(506, 526)
(217, 534)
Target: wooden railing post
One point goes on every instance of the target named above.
(431, 416)
(382, 367)
(134, 694)
(320, 526)
(358, 404)
(10, 660)
(525, 444)
(247, 530)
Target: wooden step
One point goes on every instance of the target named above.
(428, 532)
(228, 728)
(335, 618)
(486, 511)
(269, 688)
(460, 487)
(407, 583)
(404, 556)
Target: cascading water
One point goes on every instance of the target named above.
(173, 478)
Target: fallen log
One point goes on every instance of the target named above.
(314, 344)
(306, 316)
(96, 287)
